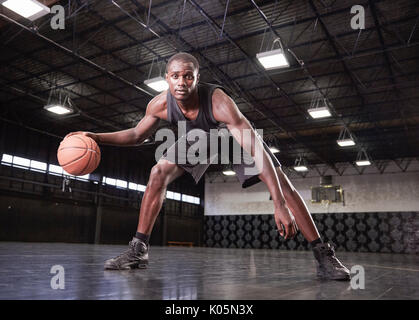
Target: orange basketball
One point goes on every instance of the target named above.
(78, 155)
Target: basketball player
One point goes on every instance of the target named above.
(206, 106)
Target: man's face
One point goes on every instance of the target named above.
(182, 78)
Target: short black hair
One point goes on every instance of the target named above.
(184, 57)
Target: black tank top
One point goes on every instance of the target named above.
(205, 119)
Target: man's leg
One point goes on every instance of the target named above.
(161, 175)
(328, 266)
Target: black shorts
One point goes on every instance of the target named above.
(244, 167)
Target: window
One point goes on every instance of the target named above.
(7, 158)
(121, 184)
(82, 178)
(141, 188)
(197, 200)
(38, 166)
(110, 181)
(55, 169)
(132, 186)
(21, 161)
(189, 199)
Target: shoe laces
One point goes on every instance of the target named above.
(330, 253)
(126, 252)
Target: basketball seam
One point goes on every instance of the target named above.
(76, 161)
(86, 148)
(88, 162)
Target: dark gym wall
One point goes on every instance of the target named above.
(33, 206)
(386, 232)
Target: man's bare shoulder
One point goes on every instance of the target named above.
(158, 106)
(223, 106)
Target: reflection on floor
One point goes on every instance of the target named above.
(197, 273)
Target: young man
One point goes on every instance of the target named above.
(206, 107)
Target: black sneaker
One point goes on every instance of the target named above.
(328, 266)
(136, 257)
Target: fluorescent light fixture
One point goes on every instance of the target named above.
(345, 142)
(229, 173)
(300, 168)
(362, 158)
(159, 83)
(274, 150)
(321, 112)
(57, 109)
(273, 59)
(361, 163)
(30, 9)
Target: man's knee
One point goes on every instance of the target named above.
(158, 176)
(162, 173)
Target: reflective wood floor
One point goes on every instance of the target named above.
(196, 273)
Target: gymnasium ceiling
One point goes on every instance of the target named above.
(108, 48)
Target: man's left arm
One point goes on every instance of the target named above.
(225, 110)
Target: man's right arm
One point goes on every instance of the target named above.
(133, 136)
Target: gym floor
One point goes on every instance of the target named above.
(197, 273)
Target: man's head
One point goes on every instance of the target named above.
(182, 75)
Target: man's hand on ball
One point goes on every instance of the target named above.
(84, 133)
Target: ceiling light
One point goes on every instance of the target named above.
(273, 59)
(345, 142)
(229, 173)
(321, 112)
(363, 163)
(300, 164)
(300, 168)
(274, 150)
(159, 83)
(58, 109)
(345, 138)
(30, 9)
(362, 158)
